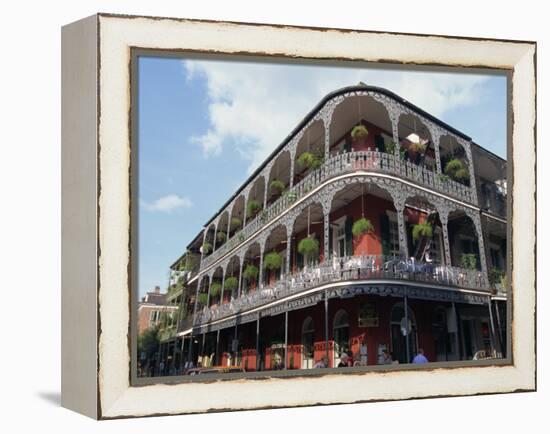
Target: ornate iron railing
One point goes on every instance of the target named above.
(335, 165)
(346, 269)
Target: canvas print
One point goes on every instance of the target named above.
(306, 217)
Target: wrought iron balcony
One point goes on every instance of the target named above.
(351, 268)
(336, 165)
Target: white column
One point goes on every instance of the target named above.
(444, 217)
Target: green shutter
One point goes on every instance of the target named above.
(379, 142)
(349, 236)
(330, 243)
(347, 145)
(385, 232)
(411, 244)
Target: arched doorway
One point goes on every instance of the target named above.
(398, 338)
(341, 335)
(308, 334)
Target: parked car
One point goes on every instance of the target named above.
(215, 370)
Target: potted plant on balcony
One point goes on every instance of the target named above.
(203, 298)
(250, 272)
(422, 230)
(231, 284)
(469, 261)
(359, 135)
(390, 149)
(277, 186)
(443, 178)
(273, 261)
(495, 276)
(291, 196)
(309, 248)
(236, 222)
(361, 227)
(263, 216)
(415, 148)
(310, 160)
(215, 289)
(252, 208)
(206, 248)
(456, 170)
(221, 237)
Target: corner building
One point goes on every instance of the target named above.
(405, 247)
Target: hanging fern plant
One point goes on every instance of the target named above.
(362, 226)
(215, 289)
(231, 283)
(250, 272)
(277, 186)
(309, 247)
(359, 132)
(206, 248)
(252, 208)
(203, 298)
(422, 230)
(236, 222)
(310, 160)
(273, 261)
(417, 147)
(469, 261)
(220, 237)
(456, 170)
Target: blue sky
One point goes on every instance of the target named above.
(205, 125)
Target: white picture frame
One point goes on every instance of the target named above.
(96, 140)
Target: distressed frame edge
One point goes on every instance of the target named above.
(79, 185)
(529, 385)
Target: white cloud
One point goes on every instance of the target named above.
(254, 106)
(167, 203)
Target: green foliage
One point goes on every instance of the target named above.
(203, 298)
(290, 195)
(496, 275)
(236, 222)
(221, 236)
(390, 149)
(263, 216)
(215, 289)
(250, 272)
(206, 248)
(310, 160)
(148, 341)
(277, 186)
(456, 170)
(273, 261)
(443, 178)
(362, 226)
(309, 247)
(252, 208)
(188, 263)
(231, 283)
(469, 261)
(418, 147)
(422, 230)
(359, 132)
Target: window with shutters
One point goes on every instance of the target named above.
(393, 234)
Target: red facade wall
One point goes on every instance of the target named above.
(271, 327)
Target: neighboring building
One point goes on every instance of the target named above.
(405, 246)
(150, 309)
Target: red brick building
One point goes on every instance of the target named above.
(374, 226)
(150, 309)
